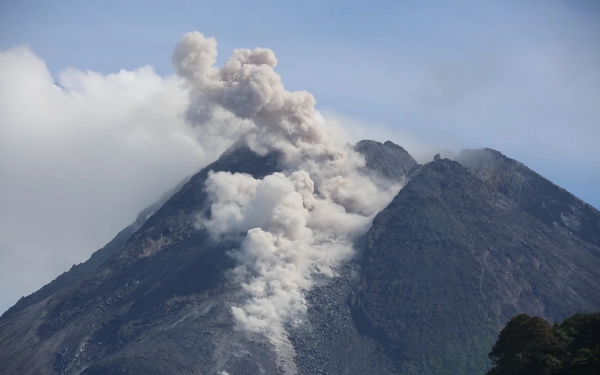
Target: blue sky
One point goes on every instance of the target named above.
(385, 63)
(522, 77)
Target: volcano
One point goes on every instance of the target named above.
(464, 246)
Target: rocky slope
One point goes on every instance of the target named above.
(161, 304)
(450, 260)
(541, 198)
(98, 258)
(130, 312)
(440, 272)
(389, 160)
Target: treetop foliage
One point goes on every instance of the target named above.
(531, 345)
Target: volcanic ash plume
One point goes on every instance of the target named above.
(294, 224)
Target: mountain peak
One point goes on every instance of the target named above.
(389, 159)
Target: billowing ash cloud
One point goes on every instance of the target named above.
(248, 87)
(294, 224)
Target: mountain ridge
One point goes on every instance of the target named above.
(545, 200)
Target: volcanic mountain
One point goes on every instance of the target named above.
(463, 247)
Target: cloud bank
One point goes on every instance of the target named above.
(294, 224)
(80, 155)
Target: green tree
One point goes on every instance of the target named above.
(525, 346)
(529, 345)
(579, 340)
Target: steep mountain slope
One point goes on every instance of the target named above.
(165, 267)
(450, 260)
(98, 258)
(541, 198)
(159, 305)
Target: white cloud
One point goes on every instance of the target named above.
(80, 155)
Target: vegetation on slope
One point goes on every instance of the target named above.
(530, 345)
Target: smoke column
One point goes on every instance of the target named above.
(294, 224)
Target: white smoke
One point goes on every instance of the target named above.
(294, 224)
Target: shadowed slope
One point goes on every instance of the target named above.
(450, 260)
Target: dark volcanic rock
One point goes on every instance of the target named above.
(388, 159)
(541, 198)
(450, 260)
(329, 342)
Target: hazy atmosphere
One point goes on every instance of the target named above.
(95, 122)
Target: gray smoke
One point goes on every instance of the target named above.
(294, 224)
